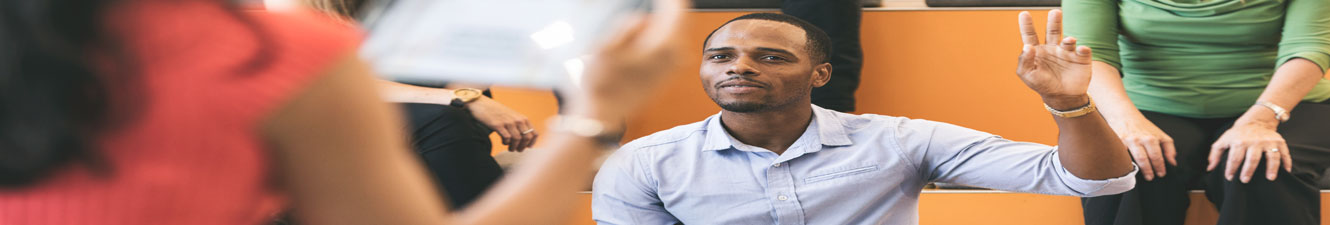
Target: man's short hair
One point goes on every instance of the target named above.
(818, 44)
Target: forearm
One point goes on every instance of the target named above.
(1110, 96)
(1088, 148)
(1290, 84)
(406, 93)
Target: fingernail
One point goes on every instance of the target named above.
(1245, 179)
(1228, 177)
(1148, 177)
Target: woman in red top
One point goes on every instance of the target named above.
(193, 112)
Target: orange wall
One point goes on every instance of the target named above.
(950, 66)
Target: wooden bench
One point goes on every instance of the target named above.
(947, 207)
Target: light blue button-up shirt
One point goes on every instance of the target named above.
(844, 169)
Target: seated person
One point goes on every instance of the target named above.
(1227, 96)
(771, 157)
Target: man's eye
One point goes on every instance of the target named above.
(718, 57)
(773, 58)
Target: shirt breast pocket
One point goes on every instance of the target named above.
(852, 173)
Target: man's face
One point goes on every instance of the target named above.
(758, 65)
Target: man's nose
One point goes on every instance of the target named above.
(742, 67)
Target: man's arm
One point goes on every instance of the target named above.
(959, 155)
(1060, 72)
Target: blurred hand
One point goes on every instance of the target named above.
(513, 127)
(1150, 147)
(632, 63)
(1246, 143)
(1058, 71)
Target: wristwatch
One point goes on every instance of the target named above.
(461, 96)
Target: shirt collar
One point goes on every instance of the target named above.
(830, 129)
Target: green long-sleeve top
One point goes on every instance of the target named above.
(1201, 58)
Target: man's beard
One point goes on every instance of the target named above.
(744, 107)
(755, 106)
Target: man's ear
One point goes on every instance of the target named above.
(821, 74)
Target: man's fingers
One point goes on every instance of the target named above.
(1027, 59)
(1142, 161)
(1028, 35)
(1068, 44)
(1054, 26)
(1251, 163)
(1272, 161)
(1156, 157)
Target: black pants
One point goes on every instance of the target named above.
(1291, 199)
(455, 149)
(840, 19)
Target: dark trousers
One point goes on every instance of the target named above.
(1291, 199)
(455, 149)
(840, 19)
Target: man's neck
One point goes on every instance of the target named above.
(773, 130)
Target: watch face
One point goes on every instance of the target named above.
(467, 94)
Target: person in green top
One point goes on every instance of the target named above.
(1203, 93)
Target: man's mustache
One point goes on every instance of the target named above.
(746, 79)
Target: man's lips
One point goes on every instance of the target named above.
(738, 83)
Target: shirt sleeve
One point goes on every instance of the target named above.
(959, 155)
(1094, 24)
(1306, 33)
(623, 193)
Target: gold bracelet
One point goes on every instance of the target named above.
(1078, 112)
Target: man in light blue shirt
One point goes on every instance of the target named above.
(770, 157)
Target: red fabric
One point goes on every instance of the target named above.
(191, 153)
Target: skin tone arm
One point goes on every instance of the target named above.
(1149, 146)
(512, 126)
(1060, 72)
(340, 173)
(358, 171)
(1253, 135)
(508, 123)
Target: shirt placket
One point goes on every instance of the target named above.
(781, 192)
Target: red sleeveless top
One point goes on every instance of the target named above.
(192, 152)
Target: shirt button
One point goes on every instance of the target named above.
(777, 165)
(782, 198)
